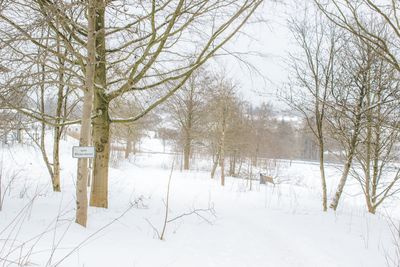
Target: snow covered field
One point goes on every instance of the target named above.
(232, 226)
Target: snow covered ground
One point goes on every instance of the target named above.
(232, 226)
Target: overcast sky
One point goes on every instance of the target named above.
(271, 39)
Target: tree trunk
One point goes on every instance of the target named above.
(186, 153)
(323, 178)
(90, 171)
(56, 160)
(351, 150)
(368, 159)
(335, 201)
(240, 166)
(128, 148)
(43, 131)
(58, 130)
(101, 124)
(101, 140)
(222, 164)
(19, 134)
(222, 150)
(232, 164)
(376, 155)
(44, 153)
(83, 170)
(215, 165)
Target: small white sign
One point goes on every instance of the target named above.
(83, 152)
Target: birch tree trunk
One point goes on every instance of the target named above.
(323, 179)
(352, 147)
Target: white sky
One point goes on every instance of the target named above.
(273, 40)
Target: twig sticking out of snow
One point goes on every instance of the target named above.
(166, 220)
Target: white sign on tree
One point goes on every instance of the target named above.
(83, 152)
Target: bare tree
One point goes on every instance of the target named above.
(312, 74)
(130, 133)
(356, 17)
(221, 108)
(149, 72)
(375, 154)
(348, 104)
(187, 109)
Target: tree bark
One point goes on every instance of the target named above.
(58, 130)
(351, 149)
(101, 124)
(222, 150)
(128, 148)
(101, 140)
(232, 164)
(335, 201)
(186, 153)
(56, 160)
(43, 131)
(323, 178)
(215, 165)
(83, 170)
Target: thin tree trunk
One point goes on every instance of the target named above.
(240, 166)
(222, 152)
(231, 165)
(58, 129)
(44, 152)
(83, 170)
(335, 201)
(56, 160)
(368, 160)
(187, 149)
(234, 163)
(186, 155)
(352, 147)
(377, 150)
(19, 134)
(90, 171)
(43, 131)
(323, 178)
(128, 148)
(215, 165)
